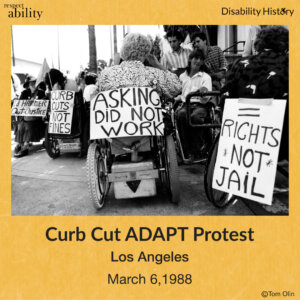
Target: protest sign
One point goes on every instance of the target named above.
(29, 107)
(133, 111)
(248, 148)
(61, 104)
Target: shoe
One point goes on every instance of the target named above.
(17, 149)
(21, 153)
(189, 160)
(82, 154)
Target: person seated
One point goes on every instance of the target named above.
(55, 80)
(29, 129)
(264, 75)
(133, 73)
(193, 79)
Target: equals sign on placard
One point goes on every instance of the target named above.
(249, 112)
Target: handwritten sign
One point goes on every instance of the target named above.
(31, 107)
(248, 148)
(61, 113)
(134, 111)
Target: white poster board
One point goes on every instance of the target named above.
(248, 148)
(61, 111)
(29, 107)
(132, 111)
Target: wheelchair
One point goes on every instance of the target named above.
(56, 144)
(221, 199)
(211, 125)
(133, 165)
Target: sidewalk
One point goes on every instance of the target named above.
(45, 186)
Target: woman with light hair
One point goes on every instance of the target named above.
(132, 71)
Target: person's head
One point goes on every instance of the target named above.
(196, 61)
(90, 78)
(135, 46)
(274, 38)
(42, 86)
(55, 79)
(30, 83)
(199, 40)
(175, 39)
(80, 81)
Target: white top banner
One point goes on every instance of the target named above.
(132, 111)
(61, 114)
(31, 107)
(248, 148)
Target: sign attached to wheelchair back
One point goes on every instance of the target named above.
(123, 112)
(248, 148)
(61, 111)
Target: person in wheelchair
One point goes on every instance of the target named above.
(195, 78)
(265, 75)
(133, 73)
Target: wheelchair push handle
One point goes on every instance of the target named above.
(201, 94)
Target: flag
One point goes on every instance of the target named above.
(44, 69)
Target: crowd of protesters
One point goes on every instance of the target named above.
(261, 74)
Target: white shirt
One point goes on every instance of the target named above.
(194, 83)
(90, 91)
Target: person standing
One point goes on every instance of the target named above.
(175, 60)
(29, 128)
(214, 59)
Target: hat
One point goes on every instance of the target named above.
(28, 79)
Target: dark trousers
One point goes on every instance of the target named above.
(192, 139)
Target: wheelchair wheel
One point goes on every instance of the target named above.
(172, 170)
(218, 198)
(51, 145)
(97, 175)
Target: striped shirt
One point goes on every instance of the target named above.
(176, 59)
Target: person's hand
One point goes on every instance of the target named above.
(153, 62)
(203, 89)
(219, 75)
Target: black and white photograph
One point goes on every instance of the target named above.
(149, 120)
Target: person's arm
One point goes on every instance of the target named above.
(165, 63)
(206, 87)
(221, 73)
(168, 83)
(153, 62)
(248, 45)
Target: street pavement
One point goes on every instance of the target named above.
(45, 186)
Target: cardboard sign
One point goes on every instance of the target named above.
(248, 148)
(61, 105)
(133, 111)
(29, 107)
